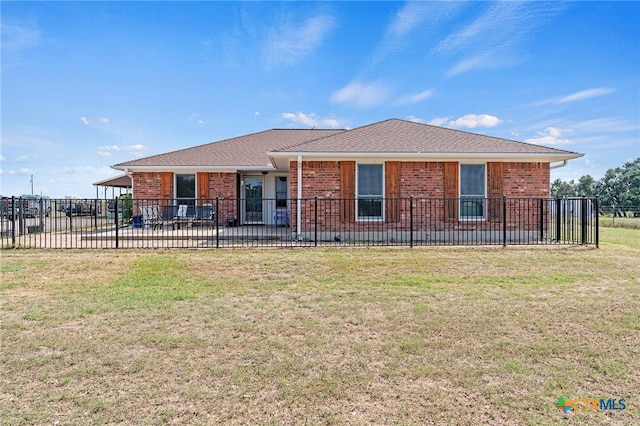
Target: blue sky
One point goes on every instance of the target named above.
(89, 84)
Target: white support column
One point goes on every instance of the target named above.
(298, 210)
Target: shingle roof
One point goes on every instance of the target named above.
(391, 137)
(400, 136)
(122, 181)
(247, 150)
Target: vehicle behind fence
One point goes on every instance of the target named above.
(214, 223)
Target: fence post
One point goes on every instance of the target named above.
(95, 214)
(70, 215)
(558, 219)
(597, 217)
(13, 222)
(21, 216)
(583, 220)
(504, 221)
(217, 222)
(315, 219)
(116, 219)
(411, 221)
(541, 219)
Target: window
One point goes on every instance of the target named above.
(472, 191)
(369, 188)
(281, 191)
(186, 189)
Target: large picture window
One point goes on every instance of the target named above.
(186, 189)
(370, 184)
(472, 191)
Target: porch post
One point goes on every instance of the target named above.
(299, 201)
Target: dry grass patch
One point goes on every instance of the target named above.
(357, 336)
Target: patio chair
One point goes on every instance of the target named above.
(182, 216)
(281, 217)
(151, 217)
(205, 215)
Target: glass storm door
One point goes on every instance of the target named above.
(253, 188)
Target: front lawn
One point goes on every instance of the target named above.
(321, 336)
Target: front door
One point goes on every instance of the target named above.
(253, 190)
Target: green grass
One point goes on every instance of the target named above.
(620, 222)
(326, 336)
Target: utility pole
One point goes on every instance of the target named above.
(31, 184)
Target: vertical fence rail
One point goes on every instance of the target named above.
(219, 223)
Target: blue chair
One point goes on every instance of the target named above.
(281, 217)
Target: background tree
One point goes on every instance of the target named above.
(586, 187)
(619, 187)
(630, 182)
(561, 189)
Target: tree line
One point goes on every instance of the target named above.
(619, 187)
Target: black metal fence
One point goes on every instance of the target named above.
(216, 223)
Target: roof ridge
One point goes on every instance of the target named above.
(192, 147)
(312, 140)
(177, 151)
(330, 136)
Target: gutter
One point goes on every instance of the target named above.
(557, 166)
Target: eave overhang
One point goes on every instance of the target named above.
(281, 160)
(194, 169)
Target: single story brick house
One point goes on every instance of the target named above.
(366, 170)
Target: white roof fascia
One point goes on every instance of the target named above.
(227, 169)
(440, 156)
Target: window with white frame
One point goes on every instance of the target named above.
(472, 191)
(369, 191)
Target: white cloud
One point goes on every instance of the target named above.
(439, 121)
(311, 120)
(196, 118)
(2, 159)
(289, 43)
(22, 159)
(472, 121)
(362, 95)
(414, 98)
(84, 120)
(136, 150)
(104, 120)
(105, 151)
(17, 37)
(414, 119)
(479, 61)
(585, 94)
(606, 125)
(489, 41)
(414, 17)
(22, 172)
(550, 136)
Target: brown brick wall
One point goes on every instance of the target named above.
(146, 185)
(223, 186)
(424, 181)
(526, 180)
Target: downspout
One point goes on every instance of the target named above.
(126, 172)
(557, 166)
(299, 201)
